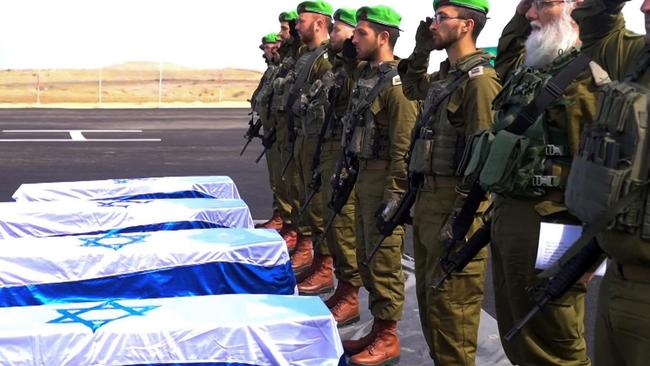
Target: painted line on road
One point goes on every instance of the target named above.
(86, 140)
(76, 136)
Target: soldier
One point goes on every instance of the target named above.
(260, 102)
(313, 25)
(457, 104)
(380, 120)
(623, 322)
(288, 54)
(332, 97)
(548, 93)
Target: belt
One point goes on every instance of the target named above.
(634, 272)
(374, 164)
(332, 146)
(440, 181)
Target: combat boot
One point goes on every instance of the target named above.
(302, 257)
(321, 280)
(352, 347)
(346, 309)
(384, 349)
(332, 300)
(290, 236)
(275, 222)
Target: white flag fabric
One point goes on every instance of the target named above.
(74, 217)
(36, 271)
(137, 188)
(222, 330)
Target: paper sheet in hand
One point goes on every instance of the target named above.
(136, 188)
(554, 241)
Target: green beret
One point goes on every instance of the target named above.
(318, 7)
(379, 14)
(347, 16)
(288, 16)
(270, 38)
(479, 5)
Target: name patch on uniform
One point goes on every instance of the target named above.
(476, 72)
(397, 80)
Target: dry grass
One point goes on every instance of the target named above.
(131, 83)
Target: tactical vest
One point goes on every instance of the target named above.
(263, 97)
(437, 145)
(285, 85)
(614, 155)
(315, 103)
(520, 165)
(368, 140)
(283, 77)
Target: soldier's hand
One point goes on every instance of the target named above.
(349, 50)
(524, 6)
(424, 36)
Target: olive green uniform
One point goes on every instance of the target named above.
(449, 316)
(341, 239)
(305, 149)
(556, 335)
(623, 320)
(261, 101)
(287, 185)
(382, 177)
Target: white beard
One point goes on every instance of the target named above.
(545, 44)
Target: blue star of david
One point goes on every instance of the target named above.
(74, 315)
(122, 204)
(126, 240)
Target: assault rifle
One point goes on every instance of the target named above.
(347, 171)
(401, 215)
(456, 261)
(587, 258)
(252, 132)
(267, 141)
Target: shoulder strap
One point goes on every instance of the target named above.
(449, 89)
(301, 79)
(553, 89)
(385, 77)
(640, 66)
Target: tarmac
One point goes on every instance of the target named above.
(51, 145)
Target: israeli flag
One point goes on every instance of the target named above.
(219, 330)
(43, 219)
(125, 189)
(36, 271)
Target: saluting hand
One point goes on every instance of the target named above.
(424, 36)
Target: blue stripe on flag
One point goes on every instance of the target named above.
(204, 279)
(158, 195)
(163, 226)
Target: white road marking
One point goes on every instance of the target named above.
(76, 136)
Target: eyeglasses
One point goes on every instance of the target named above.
(441, 17)
(541, 4)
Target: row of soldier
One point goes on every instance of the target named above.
(482, 151)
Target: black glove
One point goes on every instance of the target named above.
(424, 36)
(349, 50)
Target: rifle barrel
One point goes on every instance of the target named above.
(521, 323)
(374, 250)
(245, 146)
(260, 157)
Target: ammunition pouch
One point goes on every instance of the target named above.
(421, 161)
(613, 159)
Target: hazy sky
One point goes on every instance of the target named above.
(195, 33)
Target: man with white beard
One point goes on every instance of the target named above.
(548, 92)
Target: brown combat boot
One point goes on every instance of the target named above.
(290, 236)
(384, 349)
(321, 280)
(274, 222)
(352, 347)
(337, 294)
(346, 309)
(302, 257)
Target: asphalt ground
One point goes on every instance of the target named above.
(52, 145)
